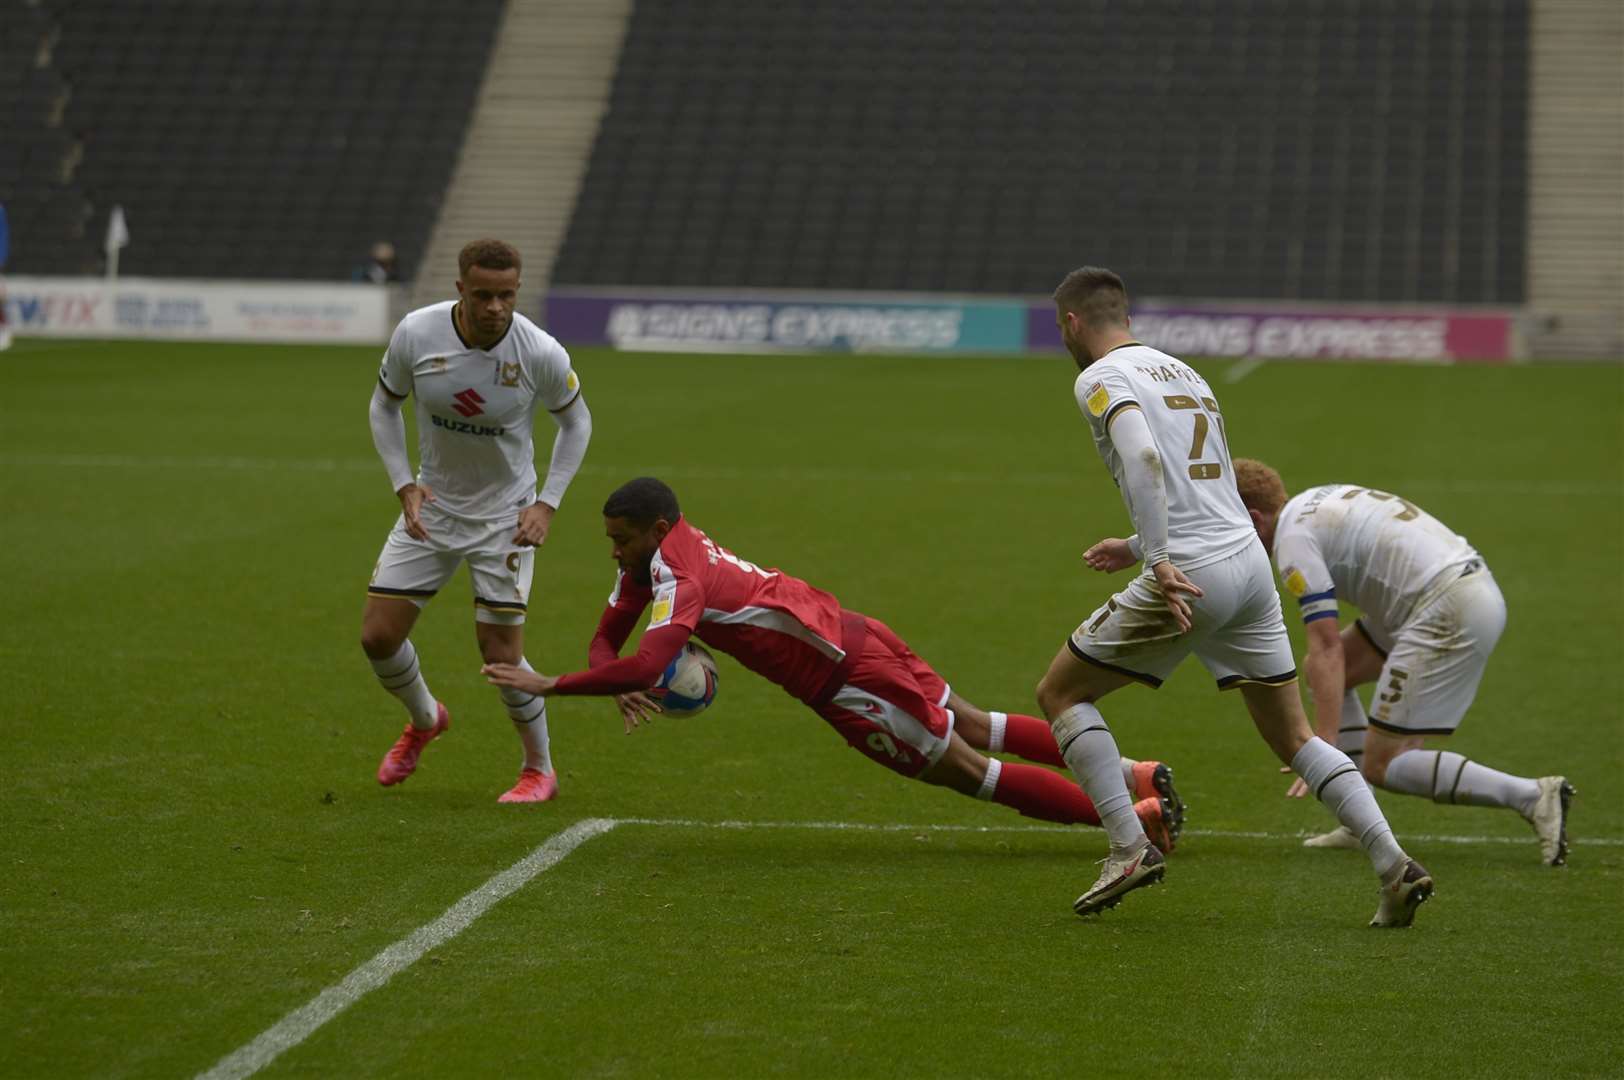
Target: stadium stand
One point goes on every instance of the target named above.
(243, 140)
(1307, 149)
(45, 205)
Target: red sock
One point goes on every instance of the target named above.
(1030, 738)
(1039, 793)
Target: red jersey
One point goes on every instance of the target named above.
(776, 625)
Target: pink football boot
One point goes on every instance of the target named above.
(533, 786)
(401, 761)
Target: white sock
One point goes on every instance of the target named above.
(1335, 781)
(401, 676)
(1127, 771)
(1447, 777)
(529, 715)
(1092, 755)
(989, 782)
(997, 722)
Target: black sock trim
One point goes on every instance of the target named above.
(413, 668)
(1460, 773)
(1349, 768)
(395, 674)
(540, 710)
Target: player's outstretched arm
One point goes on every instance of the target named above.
(627, 675)
(518, 678)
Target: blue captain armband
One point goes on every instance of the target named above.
(1320, 605)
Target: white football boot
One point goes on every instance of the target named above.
(1121, 874)
(1408, 889)
(1339, 837)
(1550, 819)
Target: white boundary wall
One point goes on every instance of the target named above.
(179, 310)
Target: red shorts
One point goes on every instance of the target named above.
(891, 705)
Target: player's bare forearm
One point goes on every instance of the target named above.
(1326, 681)
(518, 678)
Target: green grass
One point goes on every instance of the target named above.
(194, 844)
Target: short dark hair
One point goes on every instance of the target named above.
(643, 502)
(1095, 294)
(491, 254)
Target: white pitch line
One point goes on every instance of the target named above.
(1242, 368)
(299, 1025)
(1221, 834)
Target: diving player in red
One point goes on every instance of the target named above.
(851, 669)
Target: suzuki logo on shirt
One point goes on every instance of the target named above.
(468, 402)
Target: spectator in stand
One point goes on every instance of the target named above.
(380, 268)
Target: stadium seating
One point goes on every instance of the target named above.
(1310, 149)
(243, 140)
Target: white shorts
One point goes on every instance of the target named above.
(499, 569)
(1236, 630)
(1435, 661)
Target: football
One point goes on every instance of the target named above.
(688, 684)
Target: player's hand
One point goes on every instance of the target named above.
(518, 678)
(534, 522)
(1298, 788)
(412, 498)
(1109, 556)
(636, 707)
(1174, 585)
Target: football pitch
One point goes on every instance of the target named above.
(200, 869)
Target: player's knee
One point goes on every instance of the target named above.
(1055, 699)
(1374, 770)
(380, 642)
(500, 650)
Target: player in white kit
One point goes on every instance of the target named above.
(479, 372)
(1207, 590)
(1431, 615)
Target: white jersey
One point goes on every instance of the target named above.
(1380, 552)
(475, 406)
(1206, 520)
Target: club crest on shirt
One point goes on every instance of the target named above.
(510, 373)
(1296, 584)
(1098, 398)
(438, 363)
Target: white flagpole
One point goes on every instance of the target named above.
(118, 236)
